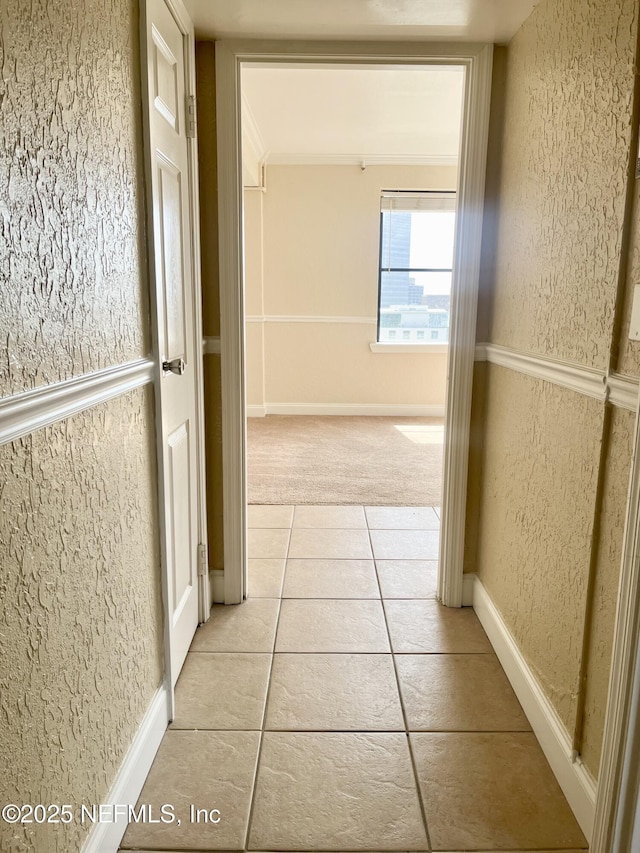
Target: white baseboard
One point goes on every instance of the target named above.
(216, 585)
(573, 777)
(106, 837)
(347, 409)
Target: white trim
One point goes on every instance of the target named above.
(310, 318)
(211, 345)
(476, 59)
(405, 349)
(234, 468)
(361, 160)
(154, 310)
(618, 776)
(186, 25)
(256, 411)
(28, 411)
(575, 377)
(216, 585)
(398, 410)
(622, 391)
(106, 837)
(462, 331)
(573, 777)
(619, 390)
(177, 9)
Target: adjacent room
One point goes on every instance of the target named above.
(349, 176)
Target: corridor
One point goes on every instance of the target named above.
(341, 708)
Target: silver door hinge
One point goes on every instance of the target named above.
(203, 560)
(191, 122)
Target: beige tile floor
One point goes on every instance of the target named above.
(341, 708)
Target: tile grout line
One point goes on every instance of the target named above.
(402, 705)
(266, 699)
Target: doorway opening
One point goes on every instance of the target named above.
(298, 338)
(349, 192)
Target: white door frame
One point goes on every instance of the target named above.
(185, 26)
(617, 813)
(477, 60)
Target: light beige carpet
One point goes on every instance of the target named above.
(370, 461)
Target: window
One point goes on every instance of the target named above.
(416, 257)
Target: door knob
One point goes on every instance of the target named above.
(176, 366)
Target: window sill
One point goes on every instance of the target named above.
(408, 348)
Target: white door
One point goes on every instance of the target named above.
(175, 324)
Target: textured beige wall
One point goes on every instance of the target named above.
(81, 618)
(81, 622)
(628, 360)
(538, 500)
(606, 581)
(321, 231)
(70, 184)
(485, 306)
(565, 150)
(474, 474)
(208, 187)
(213, 428)
(208, 177)
(558, 171)
(491, 196)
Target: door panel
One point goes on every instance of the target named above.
(174, 284)
(175, 323)
(165, 79)
(180, 515)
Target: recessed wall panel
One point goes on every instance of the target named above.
(180, 514)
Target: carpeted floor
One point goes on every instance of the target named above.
(370, 461)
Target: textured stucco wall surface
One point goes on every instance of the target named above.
(208, 178)
(557, 177)
(81, 618)
(628, 361)
(565, 149)
(208, 188)
(538, 499)
(213, 428)
(474, 474)
(70, 190)
(607, 580)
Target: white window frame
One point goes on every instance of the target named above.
(406, 200)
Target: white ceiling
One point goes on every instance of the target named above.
(353, 114)
(361, 20)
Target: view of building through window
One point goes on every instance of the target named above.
(416, 256)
